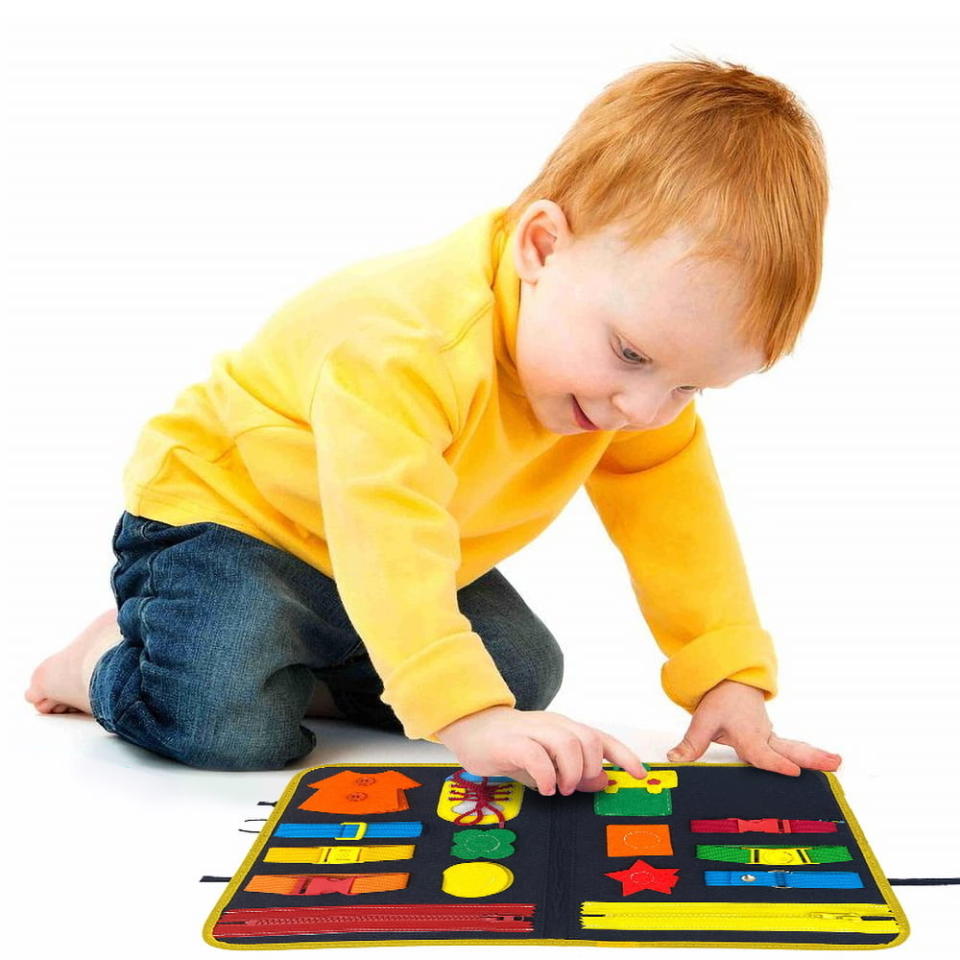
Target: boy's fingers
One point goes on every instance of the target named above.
(521, 776)
(594, 784)
(623, 756)
(694, 743)
(592, 775)
(533, 758)
(805, 755)
(760, 754)
(567, 753)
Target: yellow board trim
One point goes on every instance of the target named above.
(291, 788)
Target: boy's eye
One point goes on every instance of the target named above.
(631, 356)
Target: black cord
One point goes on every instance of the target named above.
(921, 881)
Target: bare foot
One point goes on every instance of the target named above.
(60, 684)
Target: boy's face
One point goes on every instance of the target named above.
(627, 334)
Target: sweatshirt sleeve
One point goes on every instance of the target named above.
(383, 412)
(659, 497)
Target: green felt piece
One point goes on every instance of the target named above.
(493, 844)
(630, 801)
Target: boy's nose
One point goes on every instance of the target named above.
(637, 413)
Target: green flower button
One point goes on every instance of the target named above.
(494, 844)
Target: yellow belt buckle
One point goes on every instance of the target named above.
(359, 824)
(341, 855)
(778, 858)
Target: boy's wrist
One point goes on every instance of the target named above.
(455, 726)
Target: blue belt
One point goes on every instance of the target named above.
(350, 830)
(782, 878)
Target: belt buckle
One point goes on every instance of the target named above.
(360, 830)
(342, 855)
(788, 856)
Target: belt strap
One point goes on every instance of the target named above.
(312, 884)
(764, 825)
(784, 879)
(775, 855)
(395, 851)
(349, 830)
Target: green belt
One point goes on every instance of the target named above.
(776, 855)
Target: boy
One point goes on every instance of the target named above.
(315, 529)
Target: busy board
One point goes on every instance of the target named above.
(694, 854)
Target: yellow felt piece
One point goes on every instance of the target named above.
(779, 858)
(655, 782)
(822, 917)
(449, 808)
(345, 854)
(476, 879)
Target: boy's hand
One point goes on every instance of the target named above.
(543, 750)
(735, 715)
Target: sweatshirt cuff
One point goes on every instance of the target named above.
(447, 680)
(744, 654)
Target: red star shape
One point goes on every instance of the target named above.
(641, 876)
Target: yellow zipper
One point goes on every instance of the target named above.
(825, 917)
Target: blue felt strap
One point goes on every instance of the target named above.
(787, 879)
(349, 831)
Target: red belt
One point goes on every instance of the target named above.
(765, 825)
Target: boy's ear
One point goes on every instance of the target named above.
(540, 227)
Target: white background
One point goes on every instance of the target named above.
(173, 172)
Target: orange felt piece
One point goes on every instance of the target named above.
(636, 839)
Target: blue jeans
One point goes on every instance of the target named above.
(225, 637)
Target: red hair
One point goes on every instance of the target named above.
(728, 155)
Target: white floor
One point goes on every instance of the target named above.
(116, 839)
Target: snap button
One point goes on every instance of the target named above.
(748, 877)
(779, 856)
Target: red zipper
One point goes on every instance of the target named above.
(299, 921)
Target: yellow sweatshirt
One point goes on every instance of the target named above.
(375, 427)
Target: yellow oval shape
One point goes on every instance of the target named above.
(476, 879)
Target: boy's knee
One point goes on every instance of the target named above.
(246, 747)
(216, 741)
(204, 718)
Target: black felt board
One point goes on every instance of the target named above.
(560, 862)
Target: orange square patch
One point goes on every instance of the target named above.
(635, 839)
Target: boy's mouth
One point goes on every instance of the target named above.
(582, 419)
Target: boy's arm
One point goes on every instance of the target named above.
(383, 411)
(660, 500)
